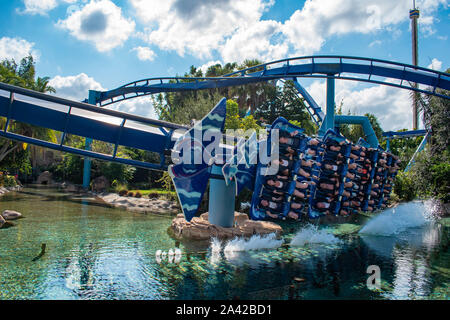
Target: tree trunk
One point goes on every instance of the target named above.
(4, 151)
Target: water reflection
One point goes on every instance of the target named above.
(102, 253)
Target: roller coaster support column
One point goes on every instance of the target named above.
(328, 122)
(88, 143)
(221, 199)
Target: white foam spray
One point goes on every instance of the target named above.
(216, 245)
(396, 220)
(256, 242)
(311, 234)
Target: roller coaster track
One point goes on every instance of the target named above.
(122, 129)
(368, 70)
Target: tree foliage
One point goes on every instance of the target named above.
(432, 167)
(286, 103)
(12, 153)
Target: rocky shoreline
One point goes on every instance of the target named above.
(6, 216)
(4, 190)
(199, 228)
(139, 205)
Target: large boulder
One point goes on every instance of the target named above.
(71, 188)
(5, 224)
(45, 178)
(199, 228)
(11, 215)
(100, 184)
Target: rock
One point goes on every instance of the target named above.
(100, 184)
(199, 228)
(251, 227)
(45, 178)
(11, 215)
(240, 218)
(71, 188)
(141, 205)
(5, 224)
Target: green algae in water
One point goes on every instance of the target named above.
(445, 222)
(345, 229)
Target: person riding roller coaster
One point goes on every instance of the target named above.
(272, 195)
(275, 210)
(284, 163)
(290, 141)
(277, 184)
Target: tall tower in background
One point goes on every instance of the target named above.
(414, 16)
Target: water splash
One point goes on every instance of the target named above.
(396, 220)
(312, 234)
(216, 245)
(256, 242)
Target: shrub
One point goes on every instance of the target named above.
(123, 192)
(153, 195)
(114, 171)
(8, 181)
(117, 186)
(130, 194)
(404, 186)
(432, 176)
(138, 194)
(440, 181)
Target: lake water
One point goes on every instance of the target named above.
(96, 252)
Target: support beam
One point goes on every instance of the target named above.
(88, 145)
(221, 200)
(328, 122)
(418, 150)
(365, 123)
(313, 108)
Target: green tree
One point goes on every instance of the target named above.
(286, 103)
(23, 75)
(233, 120)
(432, 167)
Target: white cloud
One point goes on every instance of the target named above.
(17, 48)
(151, 10)
(205, 66)
(41, 6)
(74, 87)
(435, 64)
(255, 42)
(375, 43)
(308, 28)
(196, 27)
(100, 22)
(77, 88)
(234, 29)
(141, 106)
(144, 53)
(392, 106)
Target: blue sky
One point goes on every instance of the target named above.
(102, 44)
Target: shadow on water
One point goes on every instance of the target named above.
(97, 252)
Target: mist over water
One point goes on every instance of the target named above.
(399, 219)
